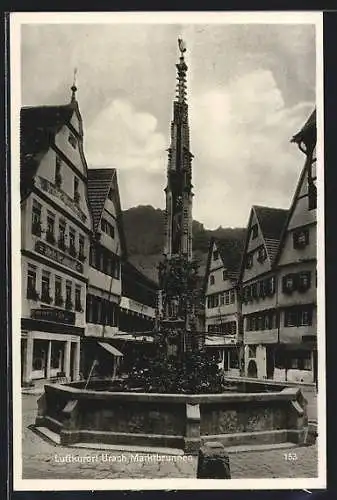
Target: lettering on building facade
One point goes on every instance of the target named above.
(54, 254)
(55, 315)
(50, 188)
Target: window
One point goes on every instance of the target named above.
(62, 235)
(301, 238)
(110, 194)
(56, 355)
(224, 275)
(78, 305)
(222, 299)
(304, 281)
(290, 317)
(249, 261)
(254, 231)
(227, 297)
(289, 283)
(232, 296)
(107, 228)
(31, 283)
(305, 317)
(58, 176)
(211, 279)
(81, 255)
(254, 290)
(312, 195)
(76, 191)
(234, 359)
(215, 255)
(72, 248)
(72, 140)
(36, 218)
(50, 237)
(69, 304)
(58, 291)
(261, 254)
(45, 284)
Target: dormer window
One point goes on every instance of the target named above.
(211, 279)
(254, 231)
(58, 176)
(215, 255)
(72, 140)
(249, 261)
(301, 238)
(76, 191)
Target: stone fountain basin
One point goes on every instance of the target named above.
(183, 421)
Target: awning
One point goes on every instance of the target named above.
(111, 349)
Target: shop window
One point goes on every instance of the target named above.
(40, 349)
(301, 238)
(56, 355)
(31, 283)
(234, 359)
(307, 365)
(294, 363)
(36, 218)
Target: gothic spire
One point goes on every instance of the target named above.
(74, 87)
(181, 77)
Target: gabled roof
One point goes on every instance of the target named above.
(100, 180)
(271, 221)
(38, 126)
(230, 251)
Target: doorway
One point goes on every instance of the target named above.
(270, 362)
(252, 369)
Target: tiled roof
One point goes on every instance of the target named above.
(38, 126)
(99, 182)
(308, 129)
(231, 255)
(271, 221)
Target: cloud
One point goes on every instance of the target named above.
(243, 156)
(129, 140)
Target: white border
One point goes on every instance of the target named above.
(16, 20)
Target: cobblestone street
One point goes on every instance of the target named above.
(43, 460)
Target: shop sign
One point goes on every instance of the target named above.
(55, 315)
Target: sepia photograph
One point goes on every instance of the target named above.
(168, 289)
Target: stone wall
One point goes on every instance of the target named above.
(173, 420)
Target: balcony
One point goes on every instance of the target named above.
(46, 298)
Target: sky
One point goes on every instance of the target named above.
(251, 87)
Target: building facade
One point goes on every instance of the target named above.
(223, 306)
(55, 229)
(296, 358)
(259, 290)
(107, 248)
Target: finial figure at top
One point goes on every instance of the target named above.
(73, 87)
(182, 46)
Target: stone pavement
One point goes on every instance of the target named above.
(43, 460)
